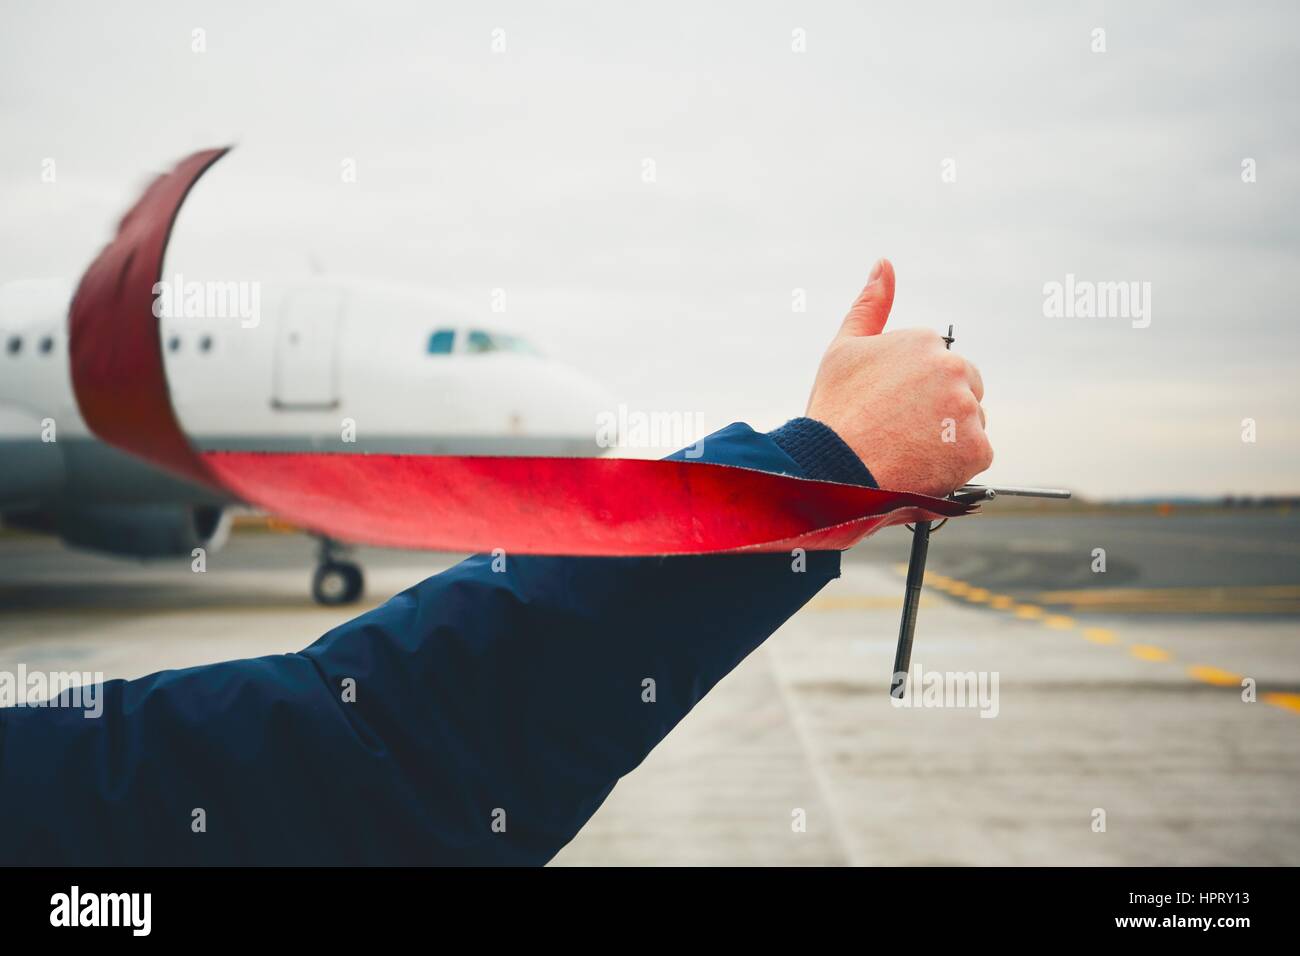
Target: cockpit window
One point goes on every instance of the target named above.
(479, 341)
(512, 343)
(440, 342)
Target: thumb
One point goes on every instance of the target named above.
(871, 310)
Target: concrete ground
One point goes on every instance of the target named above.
(1134, 720)
(1184, 770)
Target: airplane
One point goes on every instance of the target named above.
(325, 364)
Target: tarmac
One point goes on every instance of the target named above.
(1145, 715)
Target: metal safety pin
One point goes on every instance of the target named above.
(920, 550)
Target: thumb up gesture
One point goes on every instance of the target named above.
(906, 405)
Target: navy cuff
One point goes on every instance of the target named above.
(821, 453)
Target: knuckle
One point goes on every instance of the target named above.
(964, 403)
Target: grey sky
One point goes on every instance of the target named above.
(775, 170)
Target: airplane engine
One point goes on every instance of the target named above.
(145, 531)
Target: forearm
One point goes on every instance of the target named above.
(478, 717)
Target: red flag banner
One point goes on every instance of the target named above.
(525, 505)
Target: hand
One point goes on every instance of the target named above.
(907, 406)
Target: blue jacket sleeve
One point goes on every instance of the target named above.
(482, 716)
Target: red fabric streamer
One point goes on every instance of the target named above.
(525, 505)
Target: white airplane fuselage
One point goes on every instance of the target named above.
(326, 364)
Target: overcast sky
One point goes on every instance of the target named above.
(524, 169)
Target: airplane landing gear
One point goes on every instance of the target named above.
(336, 581)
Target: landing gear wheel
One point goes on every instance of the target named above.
(337, 582)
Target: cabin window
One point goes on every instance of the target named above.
(441, 342)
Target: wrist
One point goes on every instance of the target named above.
(821, 453)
